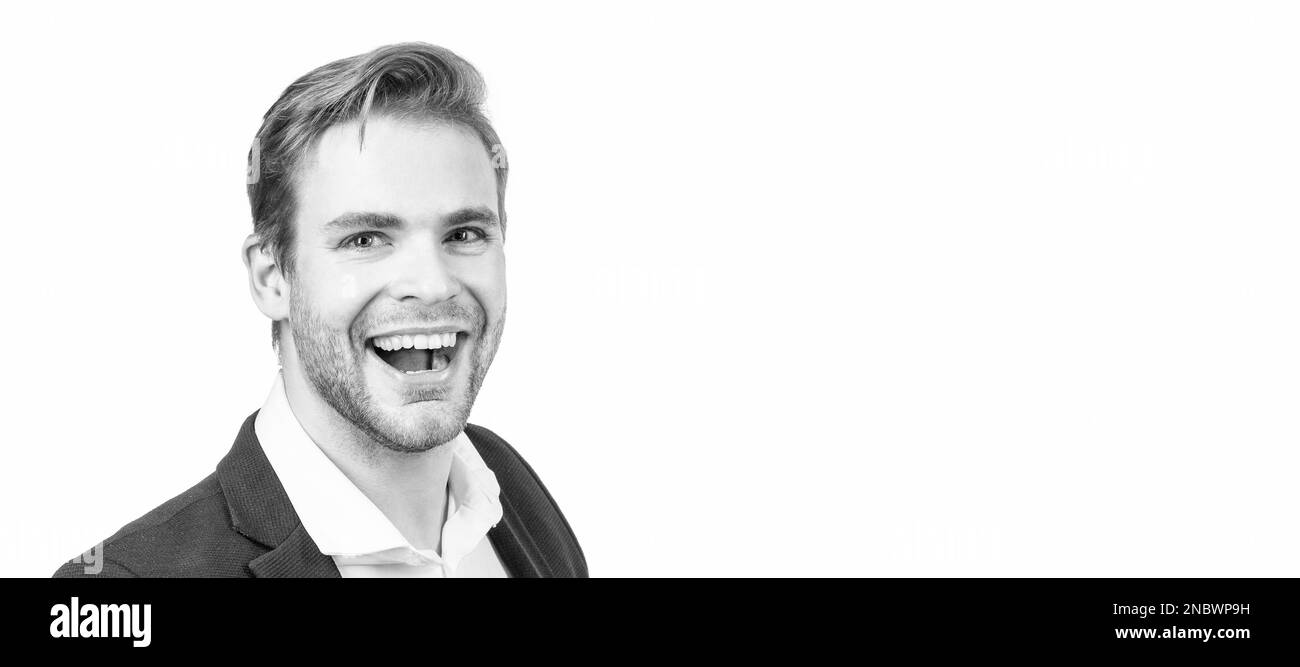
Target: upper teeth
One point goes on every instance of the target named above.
(419, 342)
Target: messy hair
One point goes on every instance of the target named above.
(409, 80)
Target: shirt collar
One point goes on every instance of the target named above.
(344, 523)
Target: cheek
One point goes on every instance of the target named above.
(487, 281)
(348, 290)
(338, 296)
(353, 291)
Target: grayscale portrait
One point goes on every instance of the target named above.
(377, 188)
(820, 290)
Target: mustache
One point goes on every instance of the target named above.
(458, 314)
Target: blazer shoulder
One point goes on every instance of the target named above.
(523, 488)
(189, 535)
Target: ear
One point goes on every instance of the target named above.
(266, 281)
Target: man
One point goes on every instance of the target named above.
(377, 190)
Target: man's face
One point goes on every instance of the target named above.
(398, 294)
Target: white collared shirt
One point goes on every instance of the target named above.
(347, 526)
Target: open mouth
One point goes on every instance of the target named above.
(415, 354)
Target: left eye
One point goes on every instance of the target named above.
(465, 235)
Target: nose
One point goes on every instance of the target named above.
(421, 272)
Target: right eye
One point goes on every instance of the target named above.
(362, 241)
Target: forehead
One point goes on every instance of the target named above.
(416, 170)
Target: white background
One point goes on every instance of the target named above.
(924, 288)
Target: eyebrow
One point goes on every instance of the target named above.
(375, 220)
(363, 219)
(480, 214)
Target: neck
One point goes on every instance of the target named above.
(410, 488)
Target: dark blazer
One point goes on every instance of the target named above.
(238, 522)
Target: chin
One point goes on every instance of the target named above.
(420, 427)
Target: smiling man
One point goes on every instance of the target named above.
(378, 251)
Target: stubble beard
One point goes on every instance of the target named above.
(334, 368)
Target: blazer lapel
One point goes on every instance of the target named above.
(510, 537)
(260, 510)
(518, 553)
(296, 556)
